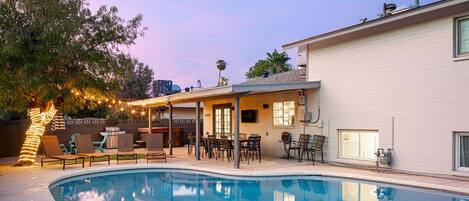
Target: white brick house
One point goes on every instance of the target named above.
(406, 78)
(400, 82)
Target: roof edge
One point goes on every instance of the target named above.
(374, 23)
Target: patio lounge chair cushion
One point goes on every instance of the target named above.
(125, 143)
(84, 144)
(155, 146)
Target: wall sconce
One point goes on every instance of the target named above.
(265, 106)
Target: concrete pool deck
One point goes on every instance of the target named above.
(32, 183)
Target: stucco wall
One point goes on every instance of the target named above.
(408, 74)
(264, 126)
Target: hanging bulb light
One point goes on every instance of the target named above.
(113, 101)
(133, 111)
(121, 109)
(99, 102)
(110, 106)
(143, 113)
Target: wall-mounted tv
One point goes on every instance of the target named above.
(249, 116)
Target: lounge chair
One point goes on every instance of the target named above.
(51, 147)
(85, 148)
(155, 147)
(125, 147)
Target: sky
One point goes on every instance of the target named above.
(185, 38)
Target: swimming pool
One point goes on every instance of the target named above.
(175, 184)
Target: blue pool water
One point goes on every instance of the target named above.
(175, 185)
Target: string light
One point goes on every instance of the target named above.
(39, 120)
(110, 102)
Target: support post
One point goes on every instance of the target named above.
(170, 130)
(197, 130)
(150, 123)
(236, 133)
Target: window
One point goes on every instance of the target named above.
(358, 144)
(284, 113)
(462, 36)
(462, 151)
(222, 120)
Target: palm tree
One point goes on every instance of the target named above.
(278, 62)
(221, 66)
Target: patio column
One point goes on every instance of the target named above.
(197, 130)
(170, 129)
(150, 125)
(237, 153)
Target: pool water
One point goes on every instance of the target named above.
(175, 185)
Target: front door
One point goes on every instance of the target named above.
(222, 120)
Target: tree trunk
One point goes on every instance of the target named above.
(219, 77)
(39, 120)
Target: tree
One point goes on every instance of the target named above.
(51, 49)
(274, 63)
(221, 66)
(137, 84)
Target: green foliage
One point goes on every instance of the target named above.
(48, 48)
(137, 83)
(274, 63)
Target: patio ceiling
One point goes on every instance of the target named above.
(224, 91)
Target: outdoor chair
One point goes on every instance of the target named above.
(51, 147)
(226, 147)
(99, 145)
(317, 146)
(190, 143)
(213, 148)
(85, 148)
(300, 146)
(253, 148)
(155, 147)
(72, 144)
(125, 147)
(286, 140)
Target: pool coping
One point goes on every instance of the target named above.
(236, 173)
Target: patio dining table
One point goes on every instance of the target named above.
(231, 140)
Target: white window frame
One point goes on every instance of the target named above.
(283, 113)
(457, 54)
(359, 143)
(457, 151)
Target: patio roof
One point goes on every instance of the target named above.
(224, 91)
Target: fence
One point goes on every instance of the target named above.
(12, 133)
